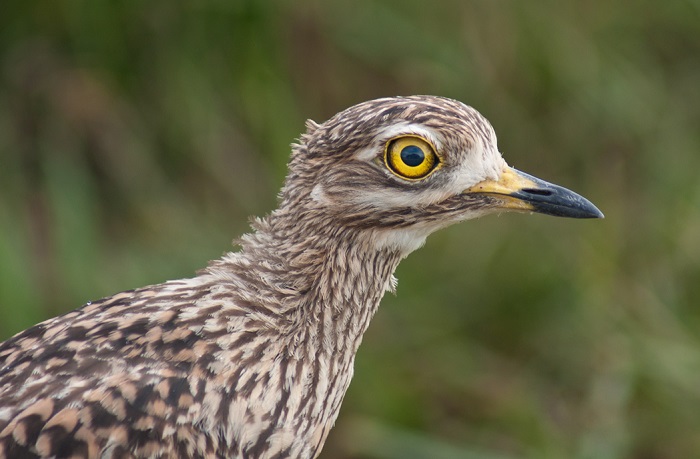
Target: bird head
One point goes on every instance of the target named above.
(401, 168)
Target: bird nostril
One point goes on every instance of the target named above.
(537, 191)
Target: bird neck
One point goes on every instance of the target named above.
(321, 283)
(305, 293)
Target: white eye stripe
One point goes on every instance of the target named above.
(387, 133)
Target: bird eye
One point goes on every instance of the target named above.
(410, 157)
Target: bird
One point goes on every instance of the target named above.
(252, 356)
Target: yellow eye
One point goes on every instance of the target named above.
(411, 157)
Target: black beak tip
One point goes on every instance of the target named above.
(554, 200)
(584, 207)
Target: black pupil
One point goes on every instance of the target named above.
(412, 156)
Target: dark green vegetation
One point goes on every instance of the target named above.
(137, 137)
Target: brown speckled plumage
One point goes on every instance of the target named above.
(252, 357)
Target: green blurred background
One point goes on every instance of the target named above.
(137, 137)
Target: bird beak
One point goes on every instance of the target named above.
(520, 191)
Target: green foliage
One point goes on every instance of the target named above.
(137, 137)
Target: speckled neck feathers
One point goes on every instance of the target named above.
(314, 297)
